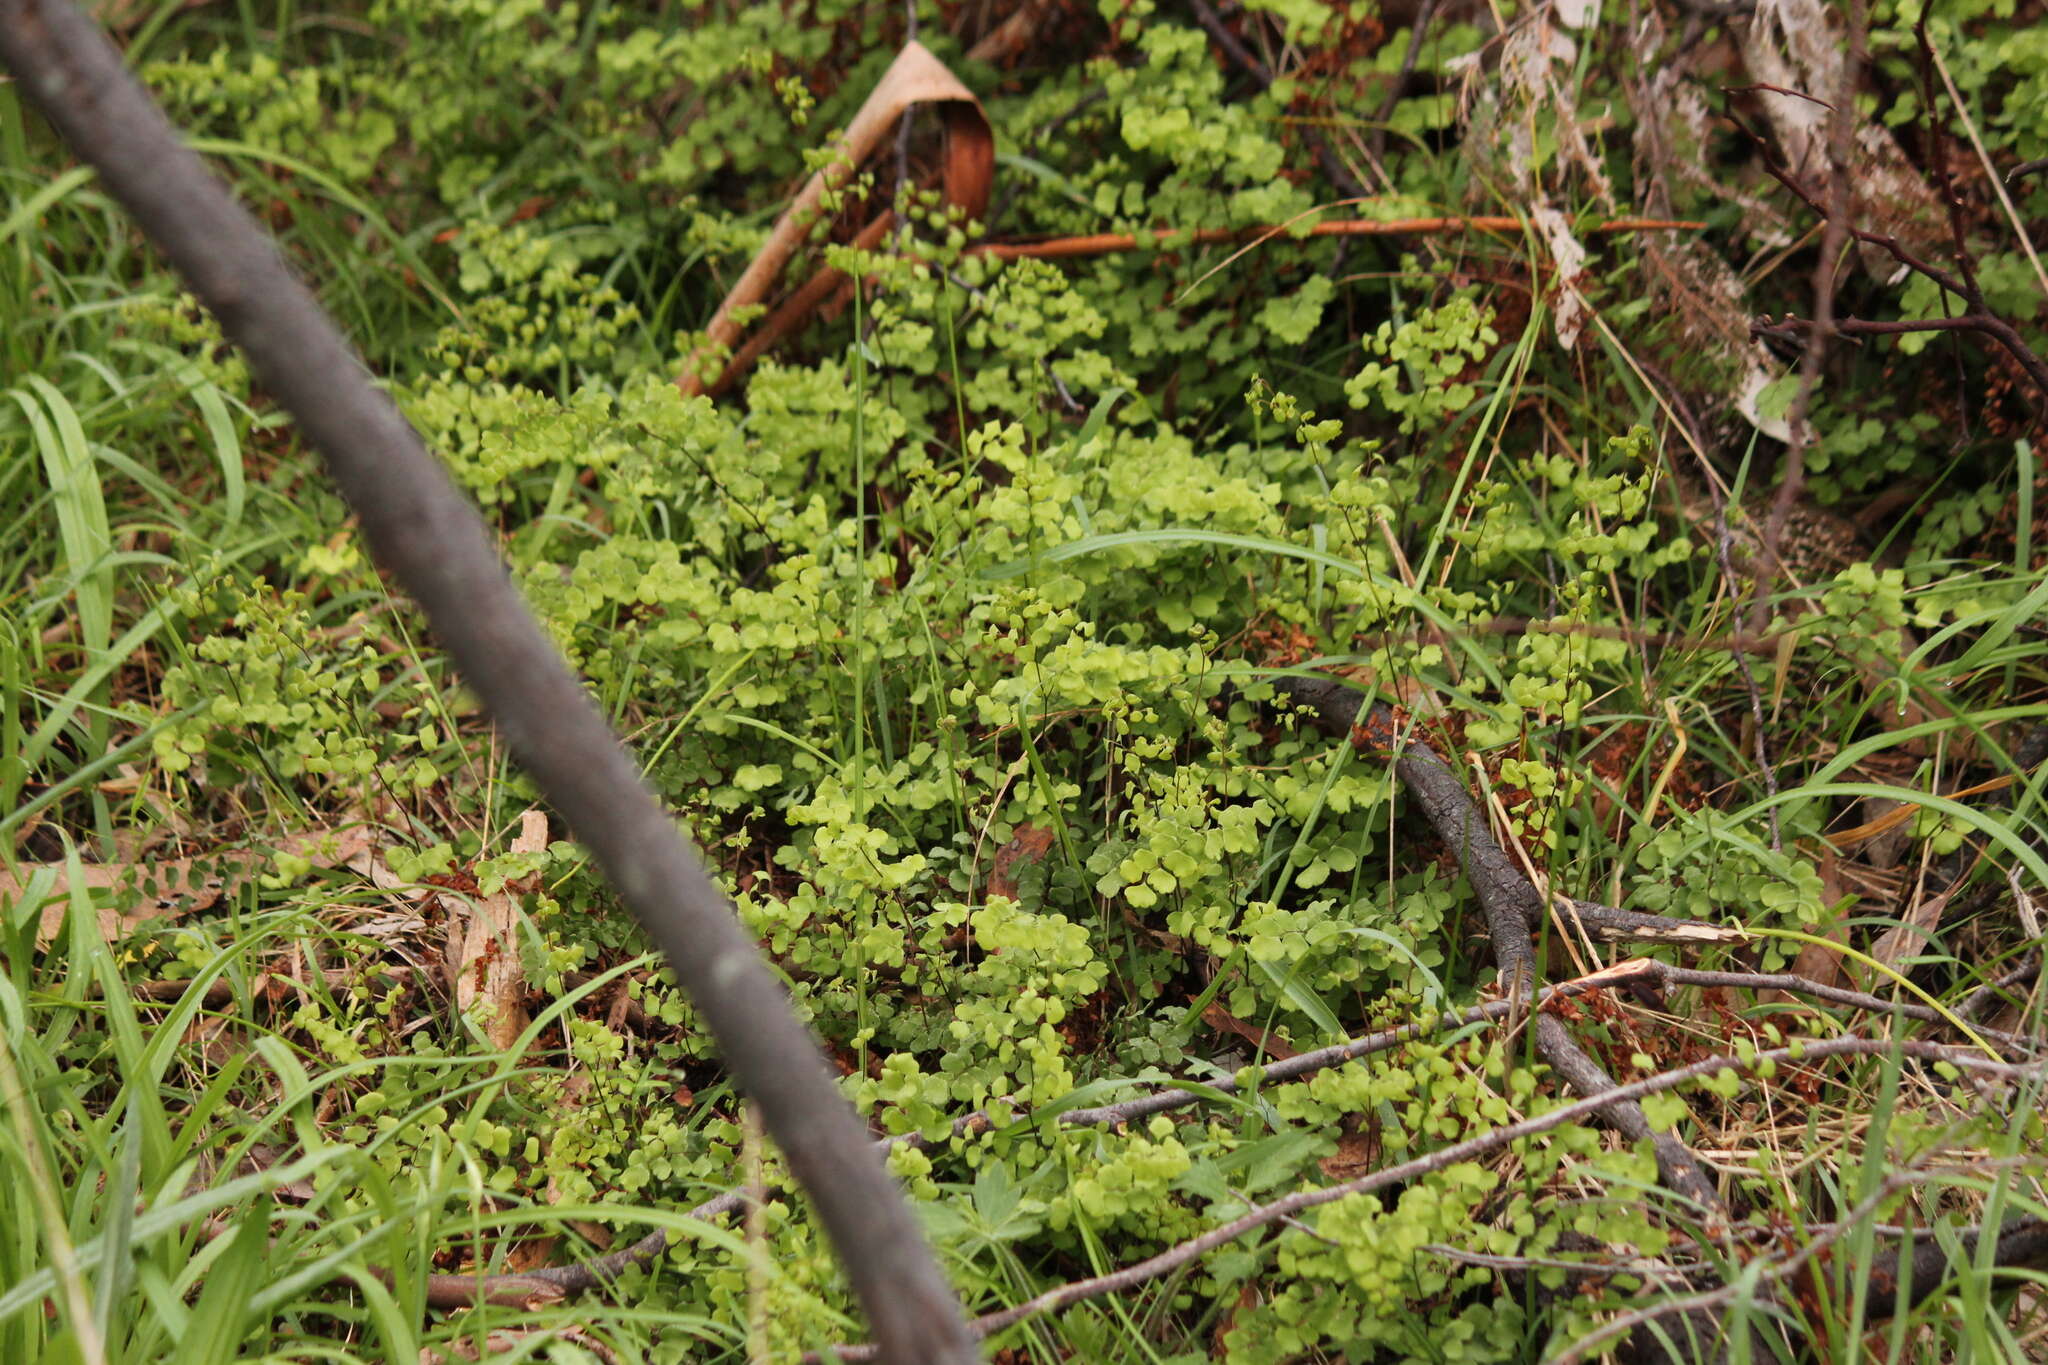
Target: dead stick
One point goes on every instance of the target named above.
(1512, 907)
(1471, 1148)
(437, 546)
(454, 1291)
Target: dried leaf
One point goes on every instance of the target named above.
(1223, 1021)
(1027, 846)
(487, 967)
(1569, 256)
(1911, 934)
(915, 77)
(170, 889)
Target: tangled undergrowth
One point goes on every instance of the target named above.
(956, 636)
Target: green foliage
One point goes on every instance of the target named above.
(1418, 374)
(948, 637)
(266, 694)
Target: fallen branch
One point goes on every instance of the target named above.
(1876, 1004)
(453, 1291)
(263, 987)
(1994, 992)
(1641, 976)
(1397, 87)
(430, 537)
(1513, 909)
(1511, 903)
(1605, 924)
(1485, 1144)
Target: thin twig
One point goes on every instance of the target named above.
(1921, 1275)
(1994, 992)
(1511, 904)
(1605, 924)
(1485, 1144)
(1334, 169)
(1977, 318)
(1798, 985)
(1768, 88)
(1579, 1269)
(1410, 57)
(1640, 976)
(1826, 280)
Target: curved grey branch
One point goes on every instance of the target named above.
(1511, 903)
(433, 541)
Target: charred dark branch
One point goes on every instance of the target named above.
(1512, 905)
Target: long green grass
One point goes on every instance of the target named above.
(275, 1158)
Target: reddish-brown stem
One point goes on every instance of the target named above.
(1103, 243)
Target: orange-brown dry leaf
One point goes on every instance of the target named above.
(1026, 846)
(487, 967)
(1223, 1021)
(1247, 1299)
